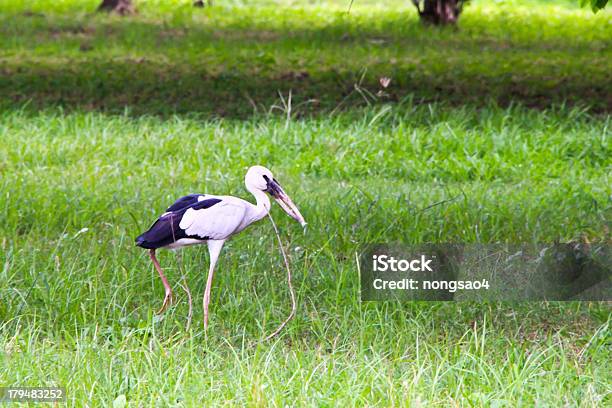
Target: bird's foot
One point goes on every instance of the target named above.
(167, 301)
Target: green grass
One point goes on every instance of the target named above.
(233, 60)
(93, 140)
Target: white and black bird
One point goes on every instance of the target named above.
(212, 219)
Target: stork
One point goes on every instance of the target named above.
(212, 219)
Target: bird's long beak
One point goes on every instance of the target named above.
(285, 202)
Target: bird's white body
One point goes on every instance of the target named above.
(219, 222)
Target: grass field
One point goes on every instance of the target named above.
(104, 121)
(233, 60)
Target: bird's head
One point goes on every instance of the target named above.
(260, 178)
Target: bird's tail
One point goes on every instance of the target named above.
(141, 241)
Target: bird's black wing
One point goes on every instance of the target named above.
(167, 230)
(183, 202)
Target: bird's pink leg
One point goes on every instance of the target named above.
(168, 297)
(214, 248)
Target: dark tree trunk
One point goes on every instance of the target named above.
(439, 12)
(122, 7)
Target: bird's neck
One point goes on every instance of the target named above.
(263, 204)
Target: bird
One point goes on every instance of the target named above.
(212, 219)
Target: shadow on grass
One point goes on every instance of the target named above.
(237, 69)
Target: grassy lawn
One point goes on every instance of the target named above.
(233, 59)
(104, 121)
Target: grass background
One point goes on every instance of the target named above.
(234, 59)
(104, 121)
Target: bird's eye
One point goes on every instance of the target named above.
(266, 178)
